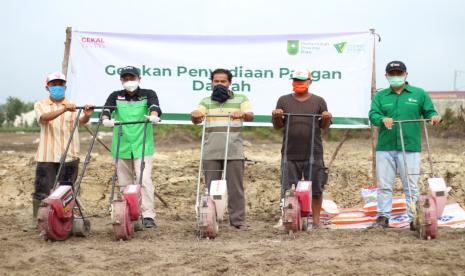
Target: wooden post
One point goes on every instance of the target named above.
(339, 146)
(64, 65)
(374, 129)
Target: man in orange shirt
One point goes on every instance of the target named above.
(55, 115)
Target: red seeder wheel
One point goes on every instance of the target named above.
(122, 224)
(51, 226)
(291, 213)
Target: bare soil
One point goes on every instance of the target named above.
(173, 249)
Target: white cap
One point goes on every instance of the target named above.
(55, 76)
(301, 74)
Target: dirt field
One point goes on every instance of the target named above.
(172, 248)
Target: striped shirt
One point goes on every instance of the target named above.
(54, 134)
(215, 136)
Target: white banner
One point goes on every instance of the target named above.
(178, 68)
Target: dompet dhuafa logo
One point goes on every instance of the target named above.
(340, 47)
(293, 47)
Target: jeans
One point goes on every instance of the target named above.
(387, 165)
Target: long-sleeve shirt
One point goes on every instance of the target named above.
(132, 108)
(411, 104)
(141, 94)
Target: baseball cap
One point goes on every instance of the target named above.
(301, 74)
(131, 70)
(55, 76)
(396, 66)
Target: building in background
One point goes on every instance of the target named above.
(25, 119)
(455, 100)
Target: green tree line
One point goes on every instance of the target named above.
(13, 107)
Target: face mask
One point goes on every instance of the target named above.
(57, 92)
(131, 85)
(396, 81)
(220, 93)
(300, 87)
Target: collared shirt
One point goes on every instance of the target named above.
(55, 134)
(411, 104)
(215, 136)
(132, 108)
(140, 94)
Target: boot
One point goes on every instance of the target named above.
(35, 209)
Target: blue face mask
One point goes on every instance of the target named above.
(57, 92)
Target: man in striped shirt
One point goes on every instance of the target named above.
(56, 116)
(224, 102)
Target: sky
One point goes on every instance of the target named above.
(428, 35)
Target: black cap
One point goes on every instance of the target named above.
(129, 70)
(396, 66)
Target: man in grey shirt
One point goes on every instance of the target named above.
(299, 138)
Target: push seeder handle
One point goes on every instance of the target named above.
(95, 107)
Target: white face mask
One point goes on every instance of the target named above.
(131, 85)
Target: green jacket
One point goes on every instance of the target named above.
(412, 103)
(131, 140)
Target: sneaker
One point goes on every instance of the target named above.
(149, 223)
(279, 225)
(381, 222)
(241, 227)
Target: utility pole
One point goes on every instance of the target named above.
(457, 73)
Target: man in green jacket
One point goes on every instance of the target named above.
(134, 104)
(400, 101)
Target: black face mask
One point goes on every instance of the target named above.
(220, 93)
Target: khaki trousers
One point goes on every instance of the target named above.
(126, 170)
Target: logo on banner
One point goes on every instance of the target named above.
(305, 47)
(349, 48)
(92, 42)
(340, 47)
(293, 47)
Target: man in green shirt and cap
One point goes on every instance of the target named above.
(134, 104)
(400, 101)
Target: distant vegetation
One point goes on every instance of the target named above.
(452, 125)
(13, 107)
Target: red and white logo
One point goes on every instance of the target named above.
(92, 42)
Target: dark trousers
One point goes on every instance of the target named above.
(234, 181)
(46, 173)
(297, 170)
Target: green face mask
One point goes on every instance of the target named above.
(396, 81)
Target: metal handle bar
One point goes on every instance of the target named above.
(218, 115)
(412, 121)
(301, 115)
(95, 107)
(117, 123)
